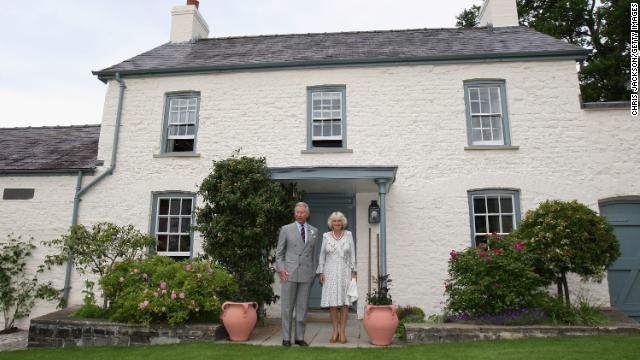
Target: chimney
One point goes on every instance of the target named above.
(187, 24)
(499, 13)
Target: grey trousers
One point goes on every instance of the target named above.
(294, 293)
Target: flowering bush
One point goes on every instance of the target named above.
(492, 279)
(161, 289)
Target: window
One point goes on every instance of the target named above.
(486, 108)
(171, 223)
(181, 122)
(493, 211)
(326, 117)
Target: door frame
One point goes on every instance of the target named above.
(326, 200)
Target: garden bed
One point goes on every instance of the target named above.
(60, 329)
(426, 333)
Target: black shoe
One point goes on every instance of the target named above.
(301, 343)
(286, 343)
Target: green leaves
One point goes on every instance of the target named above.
(18, 288)
(242, 213)
(96, 250)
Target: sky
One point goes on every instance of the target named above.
(48, 48)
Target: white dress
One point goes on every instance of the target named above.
(337, 261)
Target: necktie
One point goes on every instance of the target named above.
(302, 234)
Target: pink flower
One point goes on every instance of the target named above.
(181, 295)
(193, 302)
(163, 285)
(210, 271)
(518, 246)
(143, 304)
(135, 271)
(121, 279)
(453, 254)
(173, 295)
(188, 267)
(497, 251)
(483, 254)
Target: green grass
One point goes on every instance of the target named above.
(565, 348)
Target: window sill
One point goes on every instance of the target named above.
(491, 147)
(176, 154)
(326, 151)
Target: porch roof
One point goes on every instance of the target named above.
(348, 179)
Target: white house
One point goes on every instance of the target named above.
(455, 133)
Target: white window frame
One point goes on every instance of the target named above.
(496, 117)
(156, 223)
(514, 196)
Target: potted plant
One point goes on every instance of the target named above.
(380, 318)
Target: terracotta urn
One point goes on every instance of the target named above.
(380, 322)
(239, 319)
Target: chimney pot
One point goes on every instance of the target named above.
(195, 3)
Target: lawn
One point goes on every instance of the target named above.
(565, 348)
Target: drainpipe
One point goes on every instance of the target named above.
(382, 191)
(81, 190)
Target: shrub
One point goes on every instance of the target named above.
(161, 289)
(492, 279)
(568, 237)
(96, 250)
(18, 289)
(240, 219)
(580, 313)
(380, 294)
(408, 314)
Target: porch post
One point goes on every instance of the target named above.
(382, 192)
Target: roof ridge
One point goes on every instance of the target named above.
(345, 32)
(50, 127)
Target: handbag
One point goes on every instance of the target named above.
(352, 291)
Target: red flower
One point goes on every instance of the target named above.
(483, 254)
(453, 254)
(497, 251)
(518, 246)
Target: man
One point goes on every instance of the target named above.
(297, 267)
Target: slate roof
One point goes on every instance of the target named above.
(344, 48)
(59, 148)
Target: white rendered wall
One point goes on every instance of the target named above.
(412, 117)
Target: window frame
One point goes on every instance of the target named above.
(165, 122)
(517, 213)
(342, 89)
(155, 204)
(506, 129)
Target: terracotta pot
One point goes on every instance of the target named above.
(239, 319)
(380, 322)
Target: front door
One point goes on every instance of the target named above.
(623, 275)
(320, 207)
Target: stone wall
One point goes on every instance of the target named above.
(57, 330)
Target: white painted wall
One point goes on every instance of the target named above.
(412, 117)
(498, 13)
(45, 217)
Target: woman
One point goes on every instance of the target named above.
(337, 266)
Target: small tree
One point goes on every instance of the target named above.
(18, 289)
(568, 237)
(98, 249)
(242, 213)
